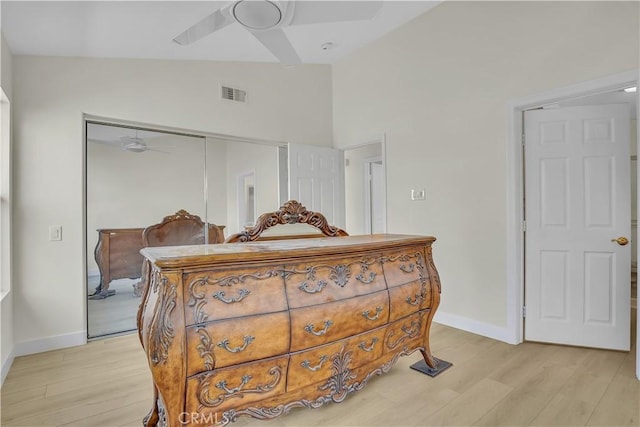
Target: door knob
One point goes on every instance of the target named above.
(621, 241)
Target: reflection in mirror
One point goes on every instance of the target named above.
(143, 179)
(287, 230)
(233, 167)
(246, 199)
(365, 192)
(135, 178)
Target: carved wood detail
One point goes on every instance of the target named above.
(205, 348)
(292, 212)
(338, 273)
(162, 332)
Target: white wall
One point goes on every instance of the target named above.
(287, 104)
(6, 304)
(438, 88)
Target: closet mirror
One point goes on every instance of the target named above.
(181, 189)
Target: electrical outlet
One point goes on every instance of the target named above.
(418, 194)
(55, 232)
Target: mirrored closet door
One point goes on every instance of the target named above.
(136, 179)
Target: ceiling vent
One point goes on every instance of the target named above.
(233, 94)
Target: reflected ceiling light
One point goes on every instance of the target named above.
(631, 89)
(327, 45)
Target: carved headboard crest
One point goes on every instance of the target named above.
(292, 212)
(182, 215)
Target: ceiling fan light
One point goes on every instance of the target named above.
(134, 148)
(133, 144)
(257, 15)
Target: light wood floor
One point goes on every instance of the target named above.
(107, 383)
(116, 313)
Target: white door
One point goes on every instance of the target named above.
(577, 186)
(377, 198)
(316, 179)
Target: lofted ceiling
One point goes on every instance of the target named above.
(146, 29)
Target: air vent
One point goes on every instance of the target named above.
(233, 94)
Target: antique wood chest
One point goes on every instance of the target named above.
(262, 327)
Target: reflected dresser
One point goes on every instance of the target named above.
(262, 327)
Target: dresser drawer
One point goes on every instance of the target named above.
(233, 292)
(317, 365)
(408, 298)
(333, 279)
(229, 342)
(404, 266)
(367, 347)
(229, 387)
(312, 366)
(406, 332)
(321, 324)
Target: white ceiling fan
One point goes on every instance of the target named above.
(265, 19)
(132, 144)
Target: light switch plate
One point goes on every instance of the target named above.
(418, 194)
(55, 232)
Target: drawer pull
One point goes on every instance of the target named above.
(222, 385)
(408, 269)
(305, 363)
(241, 295)
(365, 314)
(248, 339)
(363, 345)
(309, 328)
(365, 280)
(321, 284)
(418, 299)
(204, 394)
(410, 331)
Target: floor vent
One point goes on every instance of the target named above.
(233, 94)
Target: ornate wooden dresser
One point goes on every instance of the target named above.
(118, 256)
(262, 327)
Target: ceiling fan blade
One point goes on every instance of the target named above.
(277, 42)
(214, 22)
(315, 12)
(103, 142)
(156, 150)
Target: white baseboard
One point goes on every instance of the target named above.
(49, 343)
(6, 365)
(479, 328)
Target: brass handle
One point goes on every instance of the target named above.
(365, 314)
(622, 241)
(306, 364)
(248, 339)
(327, 324)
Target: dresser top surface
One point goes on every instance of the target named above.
(186, 256)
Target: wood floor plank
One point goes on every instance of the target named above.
(564, 410)
(470, 405)
(620, 404)
(30, 394)
(521, 406)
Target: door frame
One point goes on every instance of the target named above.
(515, 186)
(382, 140)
